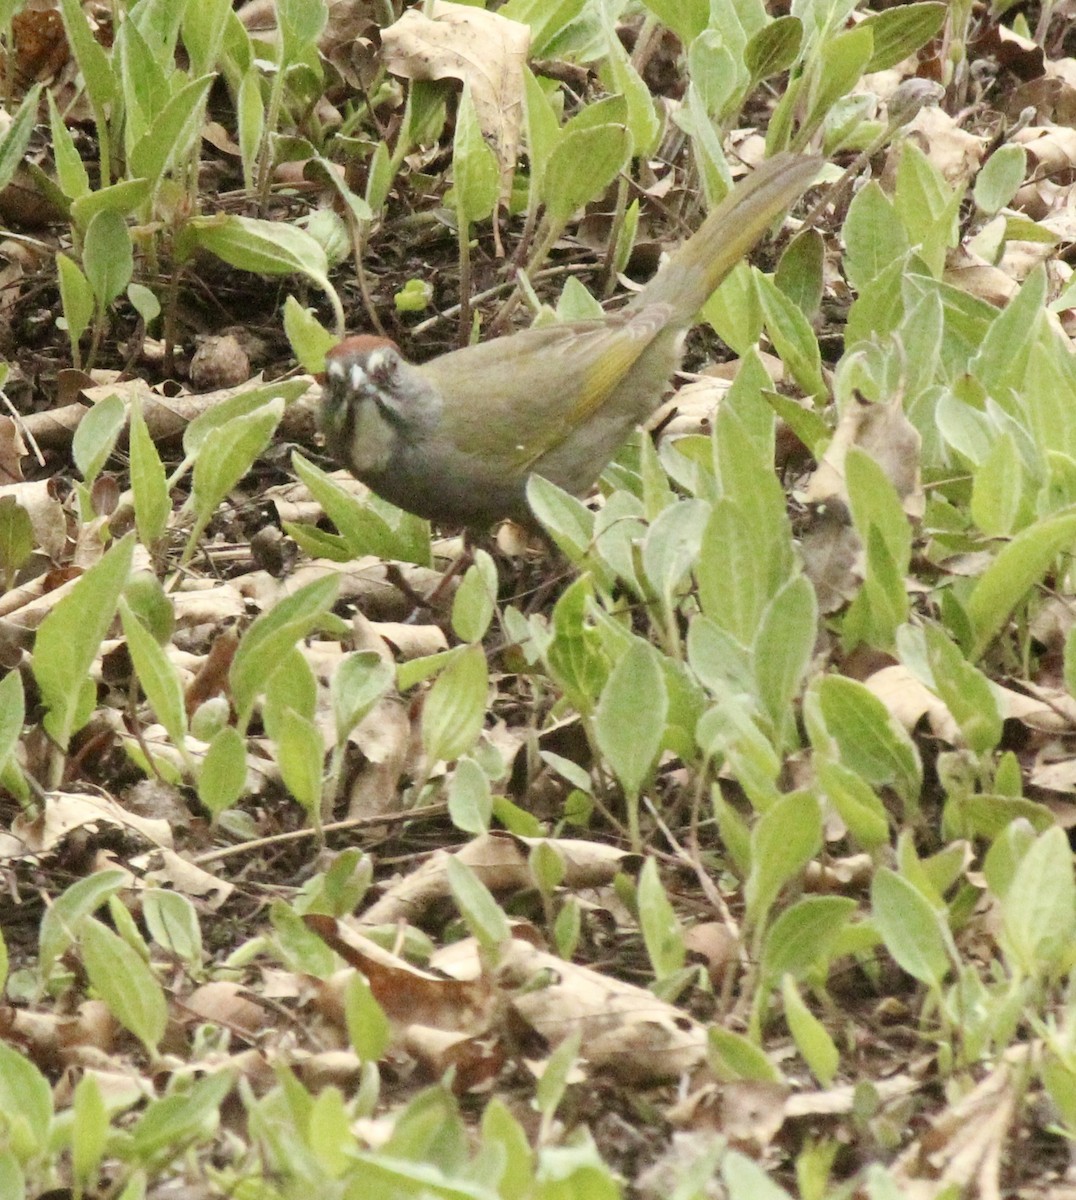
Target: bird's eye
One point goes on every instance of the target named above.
(381, 366)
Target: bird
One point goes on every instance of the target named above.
(456, 438)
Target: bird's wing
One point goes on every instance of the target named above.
(542, 384)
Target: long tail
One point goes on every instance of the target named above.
(688, 278)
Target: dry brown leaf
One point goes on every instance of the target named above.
(964, 1146)
(716, 945)
(946, 142)
(67, 811)
(388, 737)
(749, 1112)
(476, 1061)
(981, 279)
(222, 1002)
(832, 555)
(47, 518)
(625, 1029)
(408, 994)
(347, 40)
(484, 49)
(500, 860)
(167, 416)
(886, 434)
(1051, 150)
(909, 700)
(1054, 774)
(1044, 709)
(183, 876)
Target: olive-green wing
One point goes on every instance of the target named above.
(541, 384)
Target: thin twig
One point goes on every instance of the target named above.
(298, 835)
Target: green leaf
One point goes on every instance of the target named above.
(272, 635)
(576, 659)
(873, 236)
(96, 436)
(301, 21)
(802, 936)
(481, 913)
(967, 692)
(844, 58)
(470, 802)
(26, 1102)
(156, 675)
(70, 636)
(475, 174)
(223, 774)
(810, 1035)
(107, 256)
(746, 1180)
(16, 535)
(300, 756)
(1016, 569)
(89, 1130)
(250, 112)
(172, 136)
(631, 746)
(899, 32)
(224, 460)
(475, 600)
(1039, 907)
(151, 605)
(785, 838)
(774, 48)
(856, 802)
(169, 1124)
(686, 18)
(662, 932)
(63, 918)
(914, 932)
(292, 688)
(870, 741)
(998, 488)
(358, 683)
(173, 924)
(671, 546)
(799, 273)
(456, 706)
(1000, 176)
(119, 199)
(204, 26)
(145, 303)
(733, 1056)
(581, 166)
(76, 298)
(149, 486)
(12, 715)
(365, 524)
(620, 77)
(90, 56)
(734, 310)
(782, 650)
(124, 981)
(264, 247)
(368, 1028)
(309, 339)
(16, 137)
(792, 336)
(565, 518)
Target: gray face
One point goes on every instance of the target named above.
(357, 381)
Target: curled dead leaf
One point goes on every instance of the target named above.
(484, 49)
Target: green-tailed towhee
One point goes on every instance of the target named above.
(456, 438)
